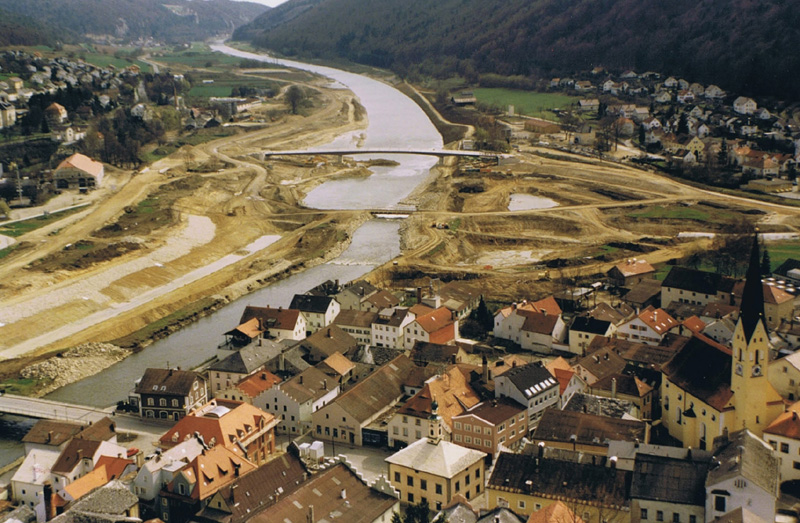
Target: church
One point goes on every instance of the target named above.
(709, 389)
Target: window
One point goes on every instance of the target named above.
(676, 518)
(521, 504)
(411, 497)
(423, 484)
(468, 439)
(405, 431)
(410, 481)
(477, 473)
(784, 448)
(150, 402)
(468, 428)
(796, 465)
(692, 519)
(457, 425)
(659, 515)
(162, 402)
(181, 489)
(438, 488)
(405, 419)
(397, 477)
(417, 422)
(395, 431)
(719, 503)
(174, 403)
(644, 513)
(458, 438)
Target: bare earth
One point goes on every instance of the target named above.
(227, 229)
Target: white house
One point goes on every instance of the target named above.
(747, 477)
(649, 326)
(744, 105)
(79, 458)
(531, 385)
(784, 436)
(320, 311)
(437, 326)
(28, 481)
(294, 400)
(160, 468)
(389, 326)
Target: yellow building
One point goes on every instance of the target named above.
(709, 389)
(435, 470)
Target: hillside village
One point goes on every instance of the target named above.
(696, 131)
(677, 400)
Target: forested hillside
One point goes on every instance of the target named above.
(747, 46)
(21, 30)
(169, 20)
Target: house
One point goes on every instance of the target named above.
(541, 331)
(599, 364)
(450, 390)
(633, 385)
(491, 425)
(160, 468)
(8, 114)
(51, 435)
(436, 470)
(714, 93)
(79, 172)
(531, 385)
(649, 326)
(584, 135)
(55, 114)
(280, 324)
(339, 492)
(583, 86)
(437, 326)
(747, 476)
(223, 375)
(788, 270)
(644, 294)
(346, 417)
(320, 311)
(253, 493)
(245, 429)
(194, 485)
(630, 272)
(388, 329)
(624, 127)
(662, 97)
(459, 297)
(338, 367)
(436, 354)
(113, 501)
(354, 294)
(107, 469)
(168, 393)
(585, 432)
(584, 329)
(684, 285)
(778, 304)
(685, 96)
(744, 105)
(784, 436)
(325, 342)
(668, 488)
(80, 457)
(357, 324)
(27, 483)
(529, 483)
(294, 400)
(784, 374)
(568, 380)
(379, 301)
(587, 105)
(251, 388)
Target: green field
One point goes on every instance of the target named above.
(528, 103)
(198, 56)
(779, 252)
(19, 228)
(684, 213)
(104, 60)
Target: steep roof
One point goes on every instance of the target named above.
(383, 300)
(787, 266)
(743, 453)
(451, 391)
(50, 432)
(310, 303)
(494, 411)
(257, 383)
(75, 450)
(83, 163)
(167, 382)
(702, 367)
(557, 512)
(693, 280)
(634, 267)
(262, 488)
(356, 318)
(565, 480)
(281, 319)
(602, 363)
(337, 491)
(787, 424)
(639, 353)
(248, 359)
(435, 320)
(433, 352)
(329, 340)
(538, 322)
(337, 363)
(443, 459)
(222, 423)
(589, 324)
(657, 319)
(309, 385)
(669, 480)
(101, 430)
(377, 391)
(214, 469)
(561, 425)
(530, 379)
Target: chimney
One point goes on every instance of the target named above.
(689, 454)
(544, 311)
(49, 436)
(329, 333)
(80, 454)
(485, 368)
(264, 376)
(794, 415)
(325, 384)
(311, 518)
(47, 496)
(236, 467)
(541, 449)
(300, 379)
(613, 462)
(419, 295)
(613, 388)
(344, 494)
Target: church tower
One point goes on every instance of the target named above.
(435, 435)
(755, 400)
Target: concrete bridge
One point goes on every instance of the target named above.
(441, 153)
(48, 409)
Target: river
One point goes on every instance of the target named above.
(394, 120)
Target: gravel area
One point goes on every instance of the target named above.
(198, 231)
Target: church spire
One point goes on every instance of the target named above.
(752, 309)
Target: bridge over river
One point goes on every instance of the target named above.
(48, 409)
(441, 153)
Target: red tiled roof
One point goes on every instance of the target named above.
(435, 320)
(257, 383)
(83, 163)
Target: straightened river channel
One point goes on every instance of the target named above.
(394, 121)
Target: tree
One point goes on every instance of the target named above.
(642, 135)
(766, 264)
(683, 124)
(419, 513)
(295, 96)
